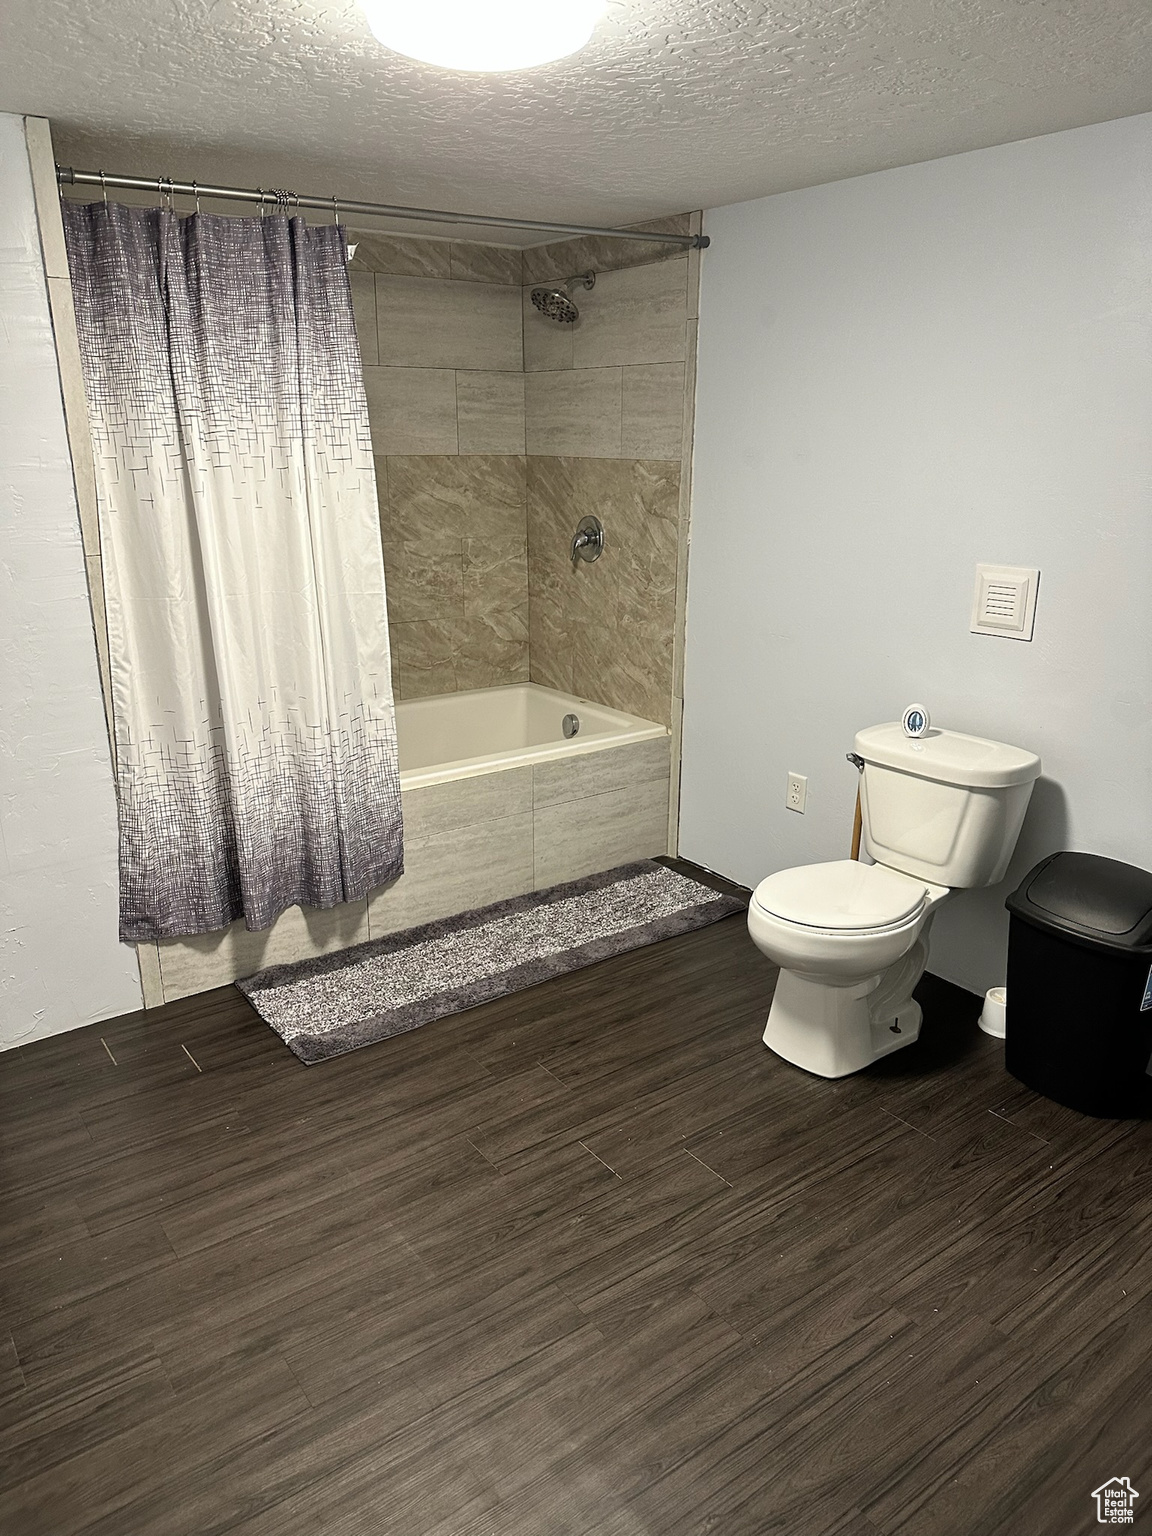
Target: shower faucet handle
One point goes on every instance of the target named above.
(588, 540)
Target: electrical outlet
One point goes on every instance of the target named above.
(797, 796)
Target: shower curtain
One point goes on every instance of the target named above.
(252, 701)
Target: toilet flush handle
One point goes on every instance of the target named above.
(858, 820)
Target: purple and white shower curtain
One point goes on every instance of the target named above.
(252, 700)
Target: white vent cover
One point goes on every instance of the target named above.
(1005, 601)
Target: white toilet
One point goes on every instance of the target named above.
(941, 812)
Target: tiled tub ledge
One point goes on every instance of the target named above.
(496, 803)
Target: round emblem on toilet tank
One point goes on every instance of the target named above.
(916, 720)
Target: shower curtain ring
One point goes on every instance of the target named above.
(335, 211)
(103, 187)
(196, 196)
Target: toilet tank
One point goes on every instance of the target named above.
(945, 807)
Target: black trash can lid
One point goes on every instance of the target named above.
(1085, 896)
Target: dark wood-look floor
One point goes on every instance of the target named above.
(585, 1260)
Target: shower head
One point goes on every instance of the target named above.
(557, 303)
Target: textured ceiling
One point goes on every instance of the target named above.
(675, 104)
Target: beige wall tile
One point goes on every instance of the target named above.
(363, 285)
(477, 495)
(638, 501)
(476, 263)
(494, 650)
(577, 839)
(454, 532)
(550, 655)
(495, 574)
(629, 666)
(600, 773)
(450, 655)
(425, 323)
(214, 959)
(490, 412)
(412, 410)
(424, 579)
(633, 316)
(425, 651)
(685, 223)
(468, 609)
(653, 411)
(455, 871)
(605, 630)
(560, 592)
(401, 255)
(574, 412)
(547, 343)
(563, 258)
(444, 808)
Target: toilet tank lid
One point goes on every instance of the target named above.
(948, 756)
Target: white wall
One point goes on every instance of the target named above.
(899, 376)
(60, 962)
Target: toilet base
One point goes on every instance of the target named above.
(832, 1031)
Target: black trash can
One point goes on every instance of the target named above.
(1080, 984)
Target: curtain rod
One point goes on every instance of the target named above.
(279, 199)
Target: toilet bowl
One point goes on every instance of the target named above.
(849, 939)
(940, 811)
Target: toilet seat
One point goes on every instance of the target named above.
(843, 896)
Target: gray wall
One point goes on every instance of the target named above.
(899, 376)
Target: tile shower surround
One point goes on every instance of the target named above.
(605, 631)
(483, 471)
(496, 430)
(455, 547)
(486, 458)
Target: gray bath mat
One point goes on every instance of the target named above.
(334, 1003)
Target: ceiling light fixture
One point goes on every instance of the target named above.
(484, 35)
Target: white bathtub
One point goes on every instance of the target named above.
(459, 735)
(496, 803)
